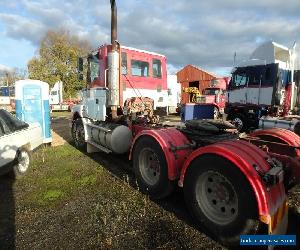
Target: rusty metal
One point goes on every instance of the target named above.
(114, 22)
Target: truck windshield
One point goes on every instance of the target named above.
(240, 79)
(211, 91)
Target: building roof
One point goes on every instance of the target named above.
(194, 73)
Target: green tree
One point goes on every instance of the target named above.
(57, 60)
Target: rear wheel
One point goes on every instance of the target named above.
(78, 134)
(150, 168)
(220, 199)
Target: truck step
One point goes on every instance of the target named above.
(106, 150)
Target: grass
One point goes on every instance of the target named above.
(55, 114)
(84, 197)
(57, 173)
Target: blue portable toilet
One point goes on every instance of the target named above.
(32, 104)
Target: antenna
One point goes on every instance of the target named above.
(234, 59)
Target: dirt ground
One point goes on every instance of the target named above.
(62, 134)
(80, 217)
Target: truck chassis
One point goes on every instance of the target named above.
(233, 183)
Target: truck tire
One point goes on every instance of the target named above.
(78, 134)
(239, 121)
(220, 199)
(150, 168)
(23, 161)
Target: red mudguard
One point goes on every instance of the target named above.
(252, 163)
(289, 155)
(169, 140)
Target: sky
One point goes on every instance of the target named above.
(205, 33)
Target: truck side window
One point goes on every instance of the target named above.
(139, 68)
(156, 67)
(268, 74)
(124, 63)
(94, 67)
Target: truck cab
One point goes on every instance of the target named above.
(142, 73)
(215, 94)
(263, 85)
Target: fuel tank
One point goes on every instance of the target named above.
(115, 137)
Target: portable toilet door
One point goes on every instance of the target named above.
(32, 104)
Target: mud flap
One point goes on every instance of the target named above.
(279, 221)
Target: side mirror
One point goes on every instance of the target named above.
(80, 64)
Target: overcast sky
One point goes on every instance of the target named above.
(205, 33)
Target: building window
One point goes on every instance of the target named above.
(124, 63)
(139, 68)
(156, 67)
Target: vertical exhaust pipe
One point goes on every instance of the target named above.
(114, 28)
(114, 64)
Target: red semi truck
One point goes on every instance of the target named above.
(233, 184)
(215, 94)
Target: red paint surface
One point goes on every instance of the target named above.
(130, 81)
(285, 135)
(288, 157)
(245, 156)
(166, 138)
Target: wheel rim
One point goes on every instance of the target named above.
(238, 123)
(79, 135)
(217, 198)
(23, 161)
(149, 166)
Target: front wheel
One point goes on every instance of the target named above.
(78, 134)
(239, 122)
(150, 168)
(220, 199)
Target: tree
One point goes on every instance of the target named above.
(9, 77)
(57, 60)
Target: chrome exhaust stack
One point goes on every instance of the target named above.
(114, 64)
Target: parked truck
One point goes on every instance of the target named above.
(214, 94)
(264, 90)
(233, 184)
(56, 101)
(7, 98)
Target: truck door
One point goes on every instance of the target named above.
(254, 74)
(237, 89)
